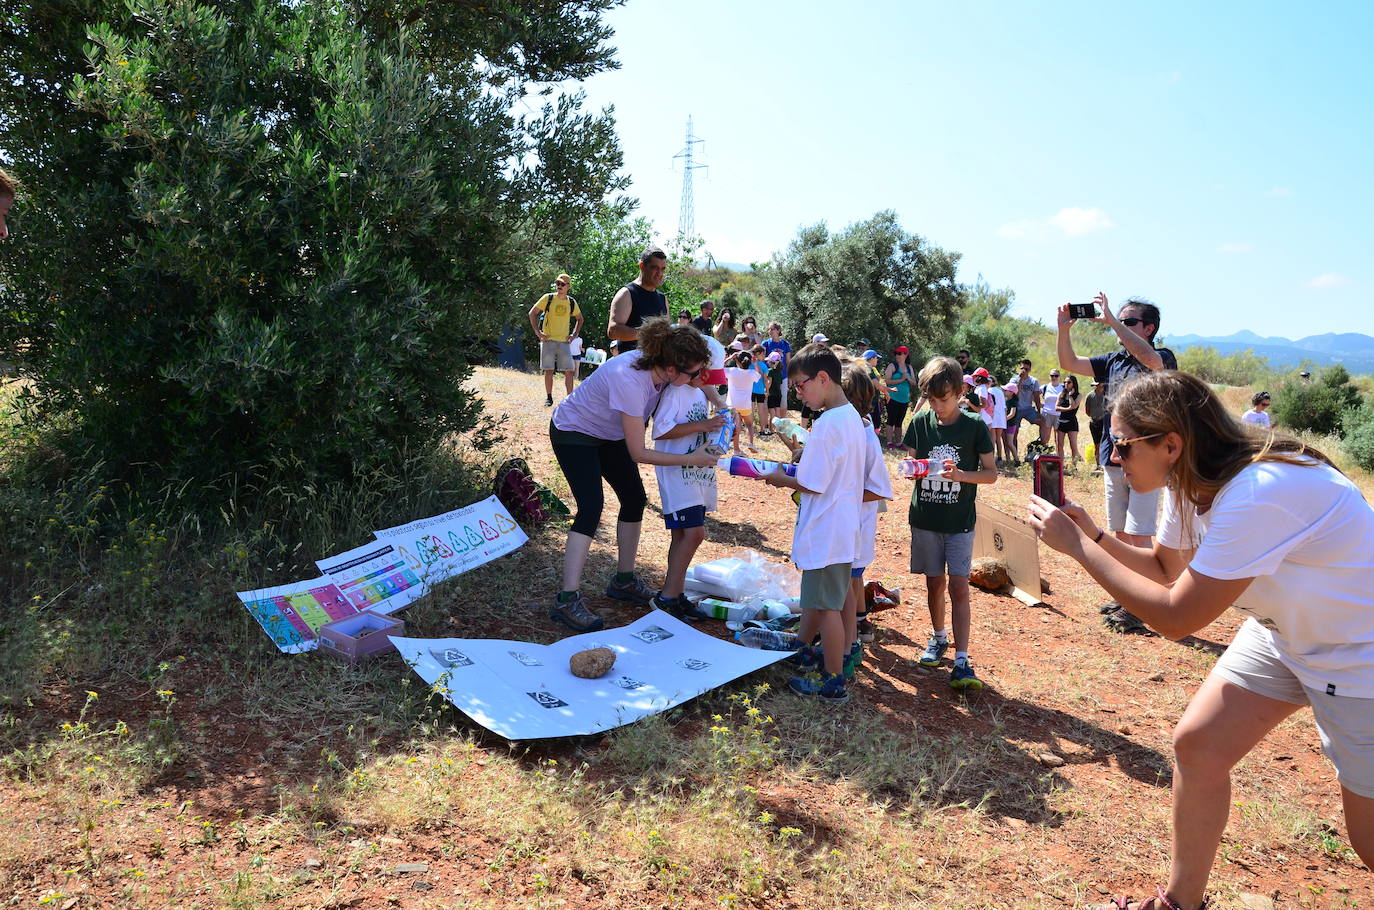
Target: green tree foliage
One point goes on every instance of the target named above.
(993, 339)
(274, 231)
(1313, 406)
(1358, 429)
(1241, 368)
(872, 281)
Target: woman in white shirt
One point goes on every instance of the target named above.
(1289, 540)
(1259, 411)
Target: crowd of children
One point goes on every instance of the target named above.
(842, 483)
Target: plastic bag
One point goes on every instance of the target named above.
(743, 576)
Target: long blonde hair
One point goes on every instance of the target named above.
(1216, 446)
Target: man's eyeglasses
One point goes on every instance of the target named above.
(1122, 447)
(1132, 320)
(800, 384)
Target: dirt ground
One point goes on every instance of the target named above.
(1089, 714)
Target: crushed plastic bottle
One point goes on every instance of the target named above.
(767, 640)
(790, 429)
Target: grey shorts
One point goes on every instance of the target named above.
(1345, 724)
(825, 589)
(935, 553)
(556, 355)
(1028, 414)
(1127, 510)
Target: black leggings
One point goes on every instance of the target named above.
(584, 463)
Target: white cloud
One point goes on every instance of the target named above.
(1077, 222)
(1235, 248)
(1327, 281)
(1069, 222)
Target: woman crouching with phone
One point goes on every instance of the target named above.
(1289, 540)
(598, 433)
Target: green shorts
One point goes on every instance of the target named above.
(825, 589)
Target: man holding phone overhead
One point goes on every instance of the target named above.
(1131, 516)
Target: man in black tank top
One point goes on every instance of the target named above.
(639, 300)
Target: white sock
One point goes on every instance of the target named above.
(960, 655)
(942, 635)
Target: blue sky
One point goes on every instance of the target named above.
(1215, 158)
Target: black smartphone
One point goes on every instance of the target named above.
(1082, 311)
(1049, 479)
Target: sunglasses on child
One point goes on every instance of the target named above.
(1122, 447)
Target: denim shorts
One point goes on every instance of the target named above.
(1127, 510)
(935, 553)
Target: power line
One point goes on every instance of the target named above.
(687, 216)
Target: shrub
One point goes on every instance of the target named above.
(1309, 406)
(1358, 428)
(276, 233)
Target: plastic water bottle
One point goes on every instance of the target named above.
(768, 640)
(911, 468)
(789, 428)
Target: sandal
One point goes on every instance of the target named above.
(1160, 901)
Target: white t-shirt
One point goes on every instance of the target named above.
(1306, 537)
(878, 482)
(997, 420)
(1259, 418)
(616, 388)
(833, 465)
(741, 387)
(1049, 398)
(683, 486)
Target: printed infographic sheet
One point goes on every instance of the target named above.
(526, 691)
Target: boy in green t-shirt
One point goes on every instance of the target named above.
(943, 508)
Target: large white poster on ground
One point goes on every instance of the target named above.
(446, 545)
(526, 691)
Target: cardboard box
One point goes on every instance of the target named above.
(358, 638)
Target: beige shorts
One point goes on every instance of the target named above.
(1345, 724)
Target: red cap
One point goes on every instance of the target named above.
(901, 349)
(716, 377)
(981, 373)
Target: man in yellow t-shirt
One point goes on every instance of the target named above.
(556, 320)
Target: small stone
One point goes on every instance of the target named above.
(886, 687)
(1101, 889)
(1256, 902)
(313, 864)
(1049, 759)
(1124, 729)
(1158, 677)
(1014, 822)
(422, 886)
(405, 868)
(592, 663)
(69, 903)
(989, 574)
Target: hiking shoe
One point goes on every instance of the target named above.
(1110, 606)
(634, 590)
(548, 401)
(866, 630)
(809, 656)
(575, 615)
(852, 661)
(963, 677)
(1124, 622)
(934, 651)
(677, 607)
(830, 689)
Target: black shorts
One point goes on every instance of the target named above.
(808, 414)
(896, 412)
(775, 399)
(757, 396)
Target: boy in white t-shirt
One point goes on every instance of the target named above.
(740, 376)
(682, 424)
(859, 389)
(830, 478)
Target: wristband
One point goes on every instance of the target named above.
(1100, 533)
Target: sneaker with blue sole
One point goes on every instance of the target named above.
(633, 590)
(852, 661)
(935, 650)
(829, 689)
(963, 677)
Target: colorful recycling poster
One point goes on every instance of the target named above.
(523, 690)
(292, 614)
(373, 577)
(383, 576)
(450, 544)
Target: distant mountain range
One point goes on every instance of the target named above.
(1352, 349)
